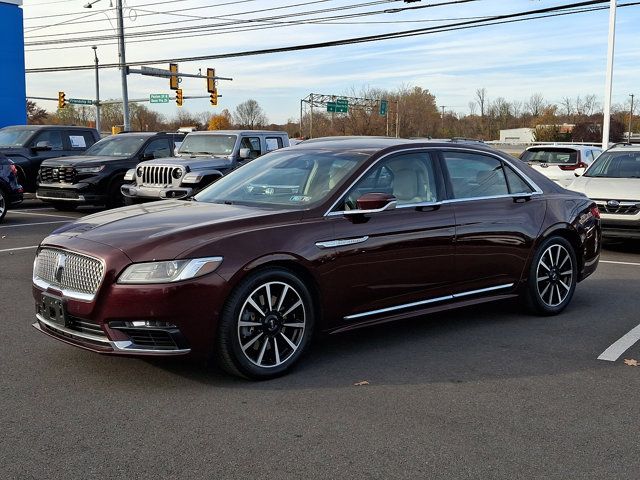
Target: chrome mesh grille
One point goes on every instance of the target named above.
(80, 273)
(157, 175)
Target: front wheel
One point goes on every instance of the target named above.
(265, 325)
(552, 278)
(4, 203)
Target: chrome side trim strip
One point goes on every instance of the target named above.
(127, 346)
(73, 333)
(341, 243)
(425, 302)
(44, 285)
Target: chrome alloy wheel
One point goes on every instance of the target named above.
(3, 205)
(271, 324)
(554, 275)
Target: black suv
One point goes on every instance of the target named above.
(10, 189)
(28, 145)
(95, 178)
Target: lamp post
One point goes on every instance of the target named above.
(606, 124)
(630, 116)
(122, 62)
(95, 54)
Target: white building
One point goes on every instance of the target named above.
(516, 135)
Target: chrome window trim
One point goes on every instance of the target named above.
(342, 242)
(428, 301)
(536, 189)
(43, 284)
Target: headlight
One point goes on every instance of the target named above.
(90, 169)
(177, 173)
(140, 171)
(169, 271)
(131, 173)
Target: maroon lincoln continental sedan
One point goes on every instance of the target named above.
(323, 237)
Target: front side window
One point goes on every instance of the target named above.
(285, 179)
(117, 146)
(474, 175)
(159, 148)
(253, 144)
(616, 165)
(409, 177)
(52, 137)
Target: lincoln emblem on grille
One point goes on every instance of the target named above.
(60, 263)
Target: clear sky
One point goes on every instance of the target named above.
(561, 56)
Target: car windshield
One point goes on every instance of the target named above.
(285, 179)
(616, 165)
(558, 156)
(14, 137)
(207, 144)
(117, 146)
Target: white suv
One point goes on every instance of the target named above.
(558, 162)
(613, 182)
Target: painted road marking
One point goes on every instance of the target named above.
(42, 214)
(30, 224)
(612, 353)
(18, 248)
(620, 263)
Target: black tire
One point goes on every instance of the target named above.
(4, 203)
(551, 281)
(268, 335)
(115, 198)
(64, 206)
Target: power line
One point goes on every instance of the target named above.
(494, 20)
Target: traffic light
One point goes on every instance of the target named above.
(213, 98)
(211, 81)
(179, 98)
(173, 79)
(62, 101)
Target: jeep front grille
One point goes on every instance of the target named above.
(57, 174)
(70, 272)
(158, 175)
(619, 208)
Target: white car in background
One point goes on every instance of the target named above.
(559, 162)
(613, 182)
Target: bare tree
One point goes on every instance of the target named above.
(249, 114)
(567, 104)
(516, 108)
(481, 99)
(472, 109)
(536, 104)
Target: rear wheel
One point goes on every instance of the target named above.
(266, 325)
(552, 278)
(4, 203)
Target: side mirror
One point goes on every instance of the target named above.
(148, 156)
(578, 172)
(373, 203)
(244, 153)
(42, 146)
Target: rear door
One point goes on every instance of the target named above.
(498, 216)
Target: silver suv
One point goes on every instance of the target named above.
(613, 182)
(202, 158)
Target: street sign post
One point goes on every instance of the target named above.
(80, 101)
(384, 105)
(159, 98)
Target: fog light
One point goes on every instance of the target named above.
(149, 324)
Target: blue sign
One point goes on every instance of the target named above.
(13, 98)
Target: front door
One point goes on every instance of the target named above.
(395, 260)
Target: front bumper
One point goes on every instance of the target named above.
(155, 193)
(137, 320)
(80, 193)
(620, 225)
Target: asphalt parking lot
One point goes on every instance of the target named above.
(484, 392)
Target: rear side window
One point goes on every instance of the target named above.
(79, 140)
(516, 184)
(273, 143)
(473, 175)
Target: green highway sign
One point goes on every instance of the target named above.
(79, 101)
(341, 105)
(383, 107)
(159, 98)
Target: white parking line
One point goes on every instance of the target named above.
(43, 214)
(621, 263)
(30, 224)
(612, 353)
(18, 248)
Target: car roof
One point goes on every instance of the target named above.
(631, 147)
(553, 146)
(237, 132)
(46, 127)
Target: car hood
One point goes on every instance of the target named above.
(608, 188)
(194, 163)
(81, 160)
(164, 230)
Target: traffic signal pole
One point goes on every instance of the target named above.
(95, 54)
(123, 67)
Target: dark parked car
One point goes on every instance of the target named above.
(28, 145)
(323, 237)
(10, 189)
(95, 178)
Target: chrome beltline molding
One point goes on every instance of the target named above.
(342, 242)
(428, 301)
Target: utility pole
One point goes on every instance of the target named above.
(311, 117)
(397, 118)
(95, 54)
(630, 116)
(606, 124)
(442, 106)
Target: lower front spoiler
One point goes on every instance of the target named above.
(132, 191)
(97, 343)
